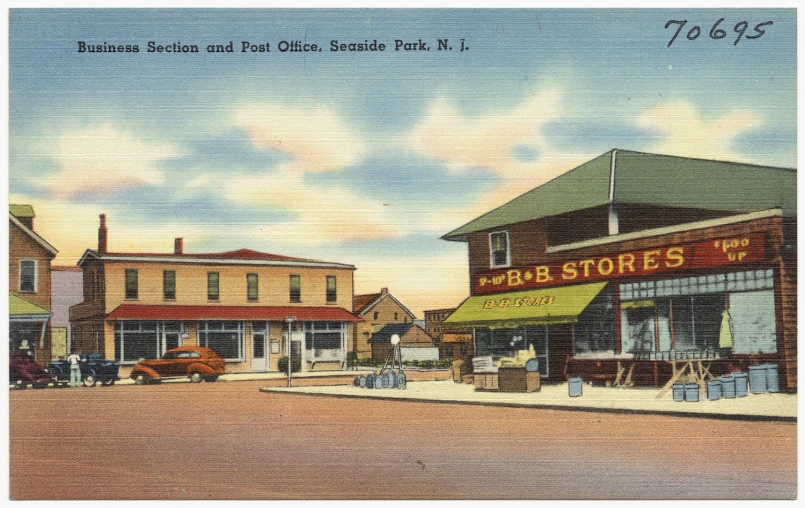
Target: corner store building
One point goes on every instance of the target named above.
(635, 257)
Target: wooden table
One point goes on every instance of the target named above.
(698, 369)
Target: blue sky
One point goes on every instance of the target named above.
(367, 158)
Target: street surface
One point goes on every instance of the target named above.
(227, 440)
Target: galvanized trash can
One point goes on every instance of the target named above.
(378, 382)
(362, 381)
(727, 387)
(401, 380)
(692, 392)
(679, 392)
(713, 389)
(757, 379)
(740, 383)
(356, 381)
(370, 380)
(387, 380)
(772, 377)
(574, 387)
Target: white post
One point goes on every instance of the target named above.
(290, 320)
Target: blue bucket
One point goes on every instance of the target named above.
(772, 377)
(740, 383)
(727, 387)
(757, 379)
(713, 389)
(679, 392)
(692, 392)
(574, 387)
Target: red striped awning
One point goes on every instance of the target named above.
(228, 313)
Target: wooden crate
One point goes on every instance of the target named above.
(485, 381)
(517, 379)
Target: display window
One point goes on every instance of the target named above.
(506, 342)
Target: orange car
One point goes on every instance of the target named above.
(195, 362)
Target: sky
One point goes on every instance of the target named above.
(367, 157)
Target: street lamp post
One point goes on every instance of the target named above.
(290, 320)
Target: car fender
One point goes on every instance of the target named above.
(203, 368)
(145, 371)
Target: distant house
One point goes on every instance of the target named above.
(412, 337)
(67, 290)
(453, 344)
(377, 310)
(29, 288)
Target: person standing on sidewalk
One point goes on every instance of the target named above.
(75, 368)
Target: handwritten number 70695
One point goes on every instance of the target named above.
(740, 28)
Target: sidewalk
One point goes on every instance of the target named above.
(770, 406)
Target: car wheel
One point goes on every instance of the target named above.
(196, 377)
(89, 380)
(211, 379)
(139, 379)
(20, 384)
(108, 382)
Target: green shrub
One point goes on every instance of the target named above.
(296, 364)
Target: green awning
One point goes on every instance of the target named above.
(520, 308)
(21, 309)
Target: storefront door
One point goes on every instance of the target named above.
(260, 352)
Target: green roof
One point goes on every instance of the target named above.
(20, 307)
(22, 211)
(643, 178)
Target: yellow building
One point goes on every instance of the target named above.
(239, 303)
(376, 310)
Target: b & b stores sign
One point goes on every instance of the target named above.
(712, 253)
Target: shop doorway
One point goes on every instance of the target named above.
(260, 352)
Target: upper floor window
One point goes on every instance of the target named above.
(132, 284)
(499, 249)
(395, 316)
(376, 314)
(331, 289)
(213, 286)
(251, 287)
(296, 288)
(169, 284)
(28, 276)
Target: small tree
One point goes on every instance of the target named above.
(296, 364)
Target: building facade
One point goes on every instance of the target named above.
(376, 311)
(453, 343)
(29, 286)
(248, 306)
(640, 260)
(67, 290)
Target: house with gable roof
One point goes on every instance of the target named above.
(29, 285)
(376, 310)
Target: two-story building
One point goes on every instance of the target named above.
(454, 343)
(642, 260)
(241, 303)
(29, 287)
(376, 311)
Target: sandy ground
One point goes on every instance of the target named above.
(228, 440)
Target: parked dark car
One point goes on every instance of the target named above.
(197, 363)
(94, 368)
(23, 371)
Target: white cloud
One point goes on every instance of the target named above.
(687, 133)
(102, 159)
(322, 213)
(488, 141)
(317, 139)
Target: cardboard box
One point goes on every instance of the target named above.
(517, 379)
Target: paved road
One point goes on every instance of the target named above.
(230, 441)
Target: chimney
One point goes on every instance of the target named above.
(178, 246)
(384, 291)
(102, 233)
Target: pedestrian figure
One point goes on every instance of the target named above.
(75, 368)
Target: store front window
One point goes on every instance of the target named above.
(594, 333)
(685, 317)
(506, 342)
(324, 339)
(224, 337)
(137, 340)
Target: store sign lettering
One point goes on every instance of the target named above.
(713, 253)
(518, 302)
